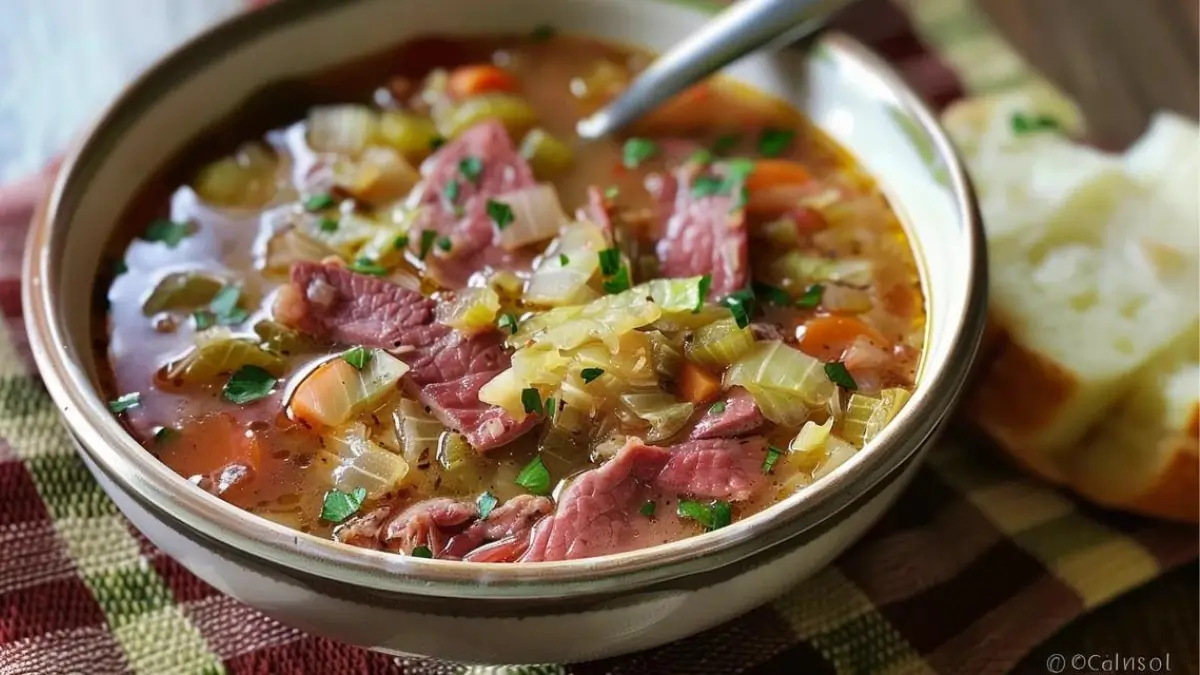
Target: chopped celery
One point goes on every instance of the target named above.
(411, 135)
(217, 355)
(470, 309)
(360, 462)
(837, 452)
(866, 415)
(512, 111)
(784, 381)
(719, 344)
(342, 129)
(666, 354)
(379, 176)
(454, 452)
(245, 179)
(665, 415)
(181, 291)
(419, 432)
(290, 246)
(336, 391)
(547, 155)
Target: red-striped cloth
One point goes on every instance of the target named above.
(974, 567)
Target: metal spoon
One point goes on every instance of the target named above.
(747, 26)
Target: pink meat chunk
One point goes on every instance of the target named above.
(739, 417)
(705, 234)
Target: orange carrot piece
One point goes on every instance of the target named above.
(467, 81)
(696, 385)
(769, 173)
(828, 337)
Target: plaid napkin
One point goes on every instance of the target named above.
(974, 567)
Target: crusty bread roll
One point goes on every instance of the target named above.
(1091, 378)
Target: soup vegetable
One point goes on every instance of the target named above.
(425, 318)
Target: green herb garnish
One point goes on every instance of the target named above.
(740, 199)
(328, 224)
(421, 552)
(1024, 124)
(535, 477)
(618, 283)
(725, 143)
(837, 374)
(500, 213)
(248, 384)
(563, 260)
(225, 301)
(472, 168)
(427, 239)
(741, 305)
(168, 232)
(339, 505)
(542, 32)
(486, 502)
(707, 186)
(713, 516)
(589, 374)
(357, 357)
(717, 408)
(773, 455)
(163, 435)
(612, 192)
(771, 294)
(368, 266)
(551, 408)
(772, 142)
(636, 151)
(811, 298)
(450, 192)
(203, 319)
(507, 321)
(125, 402)
(436, 142)
(610, 261)
(701, 156)
(400, 242)
(318, 202)
(531, 398)
(648, 509)
(445, 244)
(739, 168)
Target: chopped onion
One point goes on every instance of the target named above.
(537, 215)
(719, 344)
(666, 354)
(866, 415)
(379, 176)
(419, 432)
(361, 462)
(470, 309)
(845, 299)
(784, 381)
(837, 452)
(341, 129)
(567, 267)
(665, 415)
(337, 391)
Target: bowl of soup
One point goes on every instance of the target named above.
(344, 317)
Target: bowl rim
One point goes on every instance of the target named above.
(137, 472)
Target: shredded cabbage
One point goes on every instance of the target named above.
(342, 129)
(665, 415)
(470, 309)
(379, 176)
(537, 215)
(288, 247)
(361, 462)
(181, 291)
(352, 231)
(666, 354)
(245, 179)
(215, 356)
(795, 269)
(336, 391)
(605, 319)
(562, 276)
(837, 452)
(784, 382)
(418, 430)
(280, 339)
(719, 344)
(866, 415)
(810, 442)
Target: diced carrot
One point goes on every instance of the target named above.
(467, 81)
(697, 385)
(828, 337)
(322, 398)
(776, 186)
(770, 173)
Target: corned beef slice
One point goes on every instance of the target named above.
(704, 235)
(739, 417)
(598, 513)
(465, 221)
(448, 366)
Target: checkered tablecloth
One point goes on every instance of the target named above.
(975, 566)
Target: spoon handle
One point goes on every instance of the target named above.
(745, 27)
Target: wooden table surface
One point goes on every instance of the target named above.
(1121, 60)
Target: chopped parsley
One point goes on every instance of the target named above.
(612, 192)
(707, 186)
(551, 408)
(436, 142)
(445, 244)
(636, 151)
(563, 260)
(248, 384)
(421, 552)
(531, 399)
(500, 213)
(471, 167)
(535, 477)
(713, 515)
(358, 357)
(725, 143)
(368, 266)
(1024, 124)
(125, 402)
(318, 202)
(203, 319)
(542, 32)
(163, 435)
(837, 374)
(119, 267)
(811, 297)
(772, 142)
(486, 502)
(167, 231)
(701, 156)
(610, 261)
(741, 305)
(224, 307)
(717, 408)
(702, 287)
(618, 283)
(739, 168)
(648, 509)
(507, 321)
(450, 192)
(589, 374)
(400, 242)
(773, 455)
(339, 505)
(328, 224)
(427, 239)
(771, 294)
(741, 198)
